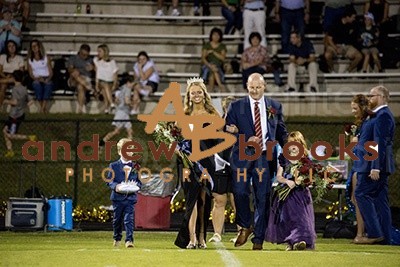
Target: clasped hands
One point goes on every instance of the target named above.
(374, 174)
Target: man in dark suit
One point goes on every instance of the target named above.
(258, 119)
(123, 203)
(372, 176)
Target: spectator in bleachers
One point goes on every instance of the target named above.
(378, 8)
(21, 8)
(369, 36)
(9, 62)
(146, 77)
(80, 69)
(206, 7)
(10, 30)
(291, 13)
(255, 59)
(254, 20)
(41, 73)
(175, 11)
(212, 60)
(233, 14)
(302, 53)
(106, 75)
(341, 40)
(333, 11)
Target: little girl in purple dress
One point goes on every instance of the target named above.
(291, 220)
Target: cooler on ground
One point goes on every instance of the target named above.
(60, 214)
(25, 213)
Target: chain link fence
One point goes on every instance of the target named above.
(86, 186)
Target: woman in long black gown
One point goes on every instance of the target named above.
(192, 233)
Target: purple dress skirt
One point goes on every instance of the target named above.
(292, 220)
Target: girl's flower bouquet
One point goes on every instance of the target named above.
(306, 173)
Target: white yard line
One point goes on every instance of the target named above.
(227, 257)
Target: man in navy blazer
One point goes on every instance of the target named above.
(241, 121)
(123, 203)
(372, 176)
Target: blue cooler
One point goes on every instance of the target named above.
(59, 216)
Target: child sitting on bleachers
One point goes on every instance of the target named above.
(369, 36)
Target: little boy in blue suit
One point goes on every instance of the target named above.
(123, 203)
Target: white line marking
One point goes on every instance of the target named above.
(228, 258)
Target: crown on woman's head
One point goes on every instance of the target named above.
(195, 80)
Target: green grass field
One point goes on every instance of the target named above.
(157, 249)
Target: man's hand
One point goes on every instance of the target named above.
(75, 73)
(89, 67)
(231, 128)
(300, 61)
(374, 174)
(255, 139)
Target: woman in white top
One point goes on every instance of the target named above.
(9, 62)
(106, 75)
(147, 77)
(41, 73)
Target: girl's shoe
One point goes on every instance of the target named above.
(300, 245)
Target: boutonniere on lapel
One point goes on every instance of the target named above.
(136, 167)
(370, 114)
(271, 112)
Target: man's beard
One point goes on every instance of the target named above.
(372, 105)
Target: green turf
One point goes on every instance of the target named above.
(157, 249)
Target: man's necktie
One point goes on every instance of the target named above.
(257, 122)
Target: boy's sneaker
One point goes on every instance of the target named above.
(159, 13)
(175, 13)
(129, 244)
(9, 154)
(32, 137)
(116, 243)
